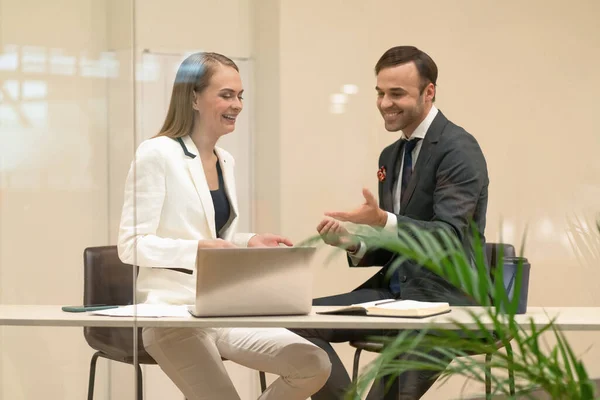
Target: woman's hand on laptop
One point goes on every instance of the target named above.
(268, 240)
(215, 244)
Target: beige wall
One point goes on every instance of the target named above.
(266, 53)
(184, 25)
(520, 76)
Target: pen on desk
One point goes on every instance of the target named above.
(388, 301)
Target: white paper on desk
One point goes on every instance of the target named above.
(400, 305)
(146, 310)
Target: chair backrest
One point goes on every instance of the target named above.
(493, 251)
(106, 279)
(508, 251)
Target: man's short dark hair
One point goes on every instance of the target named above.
(399, 55)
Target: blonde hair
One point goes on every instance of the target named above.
(193, 75)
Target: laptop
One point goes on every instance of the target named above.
(253, 281)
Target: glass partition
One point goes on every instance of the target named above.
(66, 140)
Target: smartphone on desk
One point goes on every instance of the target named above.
(95, 307)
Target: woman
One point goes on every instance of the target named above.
(179, 198)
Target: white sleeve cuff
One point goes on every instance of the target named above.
(392, 223)
(242, 239)
(360, 253)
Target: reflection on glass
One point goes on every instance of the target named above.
(336, 108)
(54, 61)
(338, 101)
(545, 229)
(11, 88)
(339, 98)
(583, 235)
(61, 64)
(33, 59)
(9, 59)
(149, 69)
(34, 90)
(508, 232)
(32, 103)
(350, 89)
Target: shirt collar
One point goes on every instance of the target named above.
(423, 127)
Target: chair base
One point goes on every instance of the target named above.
(92, 378)
(263, 381)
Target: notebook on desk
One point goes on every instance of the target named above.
(393, 308)
(253, 281)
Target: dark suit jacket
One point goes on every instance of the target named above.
(448, 189)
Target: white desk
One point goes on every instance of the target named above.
(568, 319)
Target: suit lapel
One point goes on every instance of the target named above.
(387, 186)
(424, 156)
(431, 138)
(194, 165)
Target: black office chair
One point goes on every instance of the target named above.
(492, 252)
(108, 281)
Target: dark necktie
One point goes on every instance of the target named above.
(407, 169)
(407, 165)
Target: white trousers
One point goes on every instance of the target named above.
(191, 358)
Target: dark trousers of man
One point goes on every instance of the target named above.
(409, 385)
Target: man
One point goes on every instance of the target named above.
(434, 176)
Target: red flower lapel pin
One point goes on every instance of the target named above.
(381, 174)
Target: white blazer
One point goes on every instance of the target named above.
(168, 208)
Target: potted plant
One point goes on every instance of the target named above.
(555, 369)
